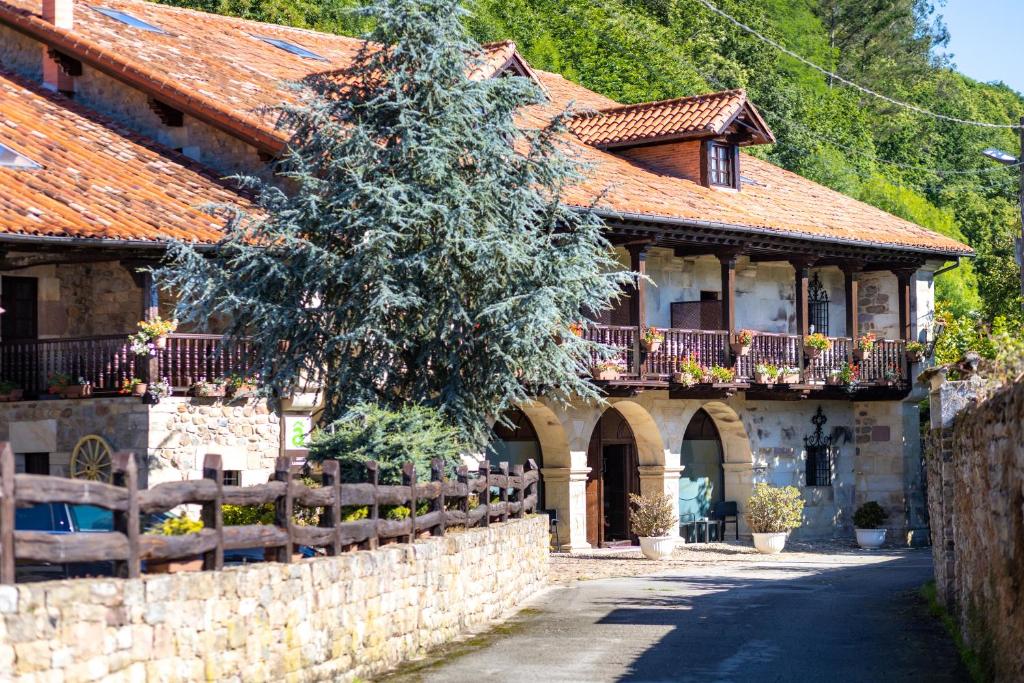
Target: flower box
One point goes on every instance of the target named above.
(684, 378)
(208, 390)
(915, 356)
(789, 378)
(161, 342)
(243, 390)
(76, 391)
(739, 348)
(811, 352)
(139, 389)
(762, 378)
(604, 374)
(651, 346)
(12, 395)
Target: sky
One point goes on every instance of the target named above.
(987, 39)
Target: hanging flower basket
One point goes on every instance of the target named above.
(744, 340)
(651, 339)
(161, 342)
(608, 371)
(651, 346)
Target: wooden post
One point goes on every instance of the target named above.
(283, 507)
(851, 271)
(462, 475)
(213, 511)
(125, 473)
(485, 496)
(332, 514)
(373, 474)
(437, 504)
(904, 289)
(802, 272)
(503, 491)
(7, 508)
(728, 262)
(149, 366)
(638, 302)
(518, 491)
(409, 479)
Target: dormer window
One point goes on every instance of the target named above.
(723, 161)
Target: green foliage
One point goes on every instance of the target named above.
(177, 526)
(416, 434)
(870, 515)
(771, 509)
(652, 516)
(428, 228)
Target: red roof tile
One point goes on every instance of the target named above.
(97, 180)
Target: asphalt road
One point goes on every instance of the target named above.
(791, 621)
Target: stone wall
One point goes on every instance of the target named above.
(976, 501)
(325, 619)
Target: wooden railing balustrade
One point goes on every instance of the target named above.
(888, 355)
(448, 506)
(767, 347)
(189, 358)
(624, 338)
(834, 358)
(708, 347)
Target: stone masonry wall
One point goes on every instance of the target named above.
(325, 619)
(976, 501)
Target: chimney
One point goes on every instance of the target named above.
(60, 13)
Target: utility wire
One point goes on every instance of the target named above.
(863, 89)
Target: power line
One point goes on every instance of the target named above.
(863, 89)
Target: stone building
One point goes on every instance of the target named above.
(121, 118)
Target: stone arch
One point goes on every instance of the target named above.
(650, 446)
(551, 434)
(737, 456)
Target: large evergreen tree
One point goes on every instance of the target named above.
(413, 246)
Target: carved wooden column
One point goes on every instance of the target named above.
(638, 301)
(802, 268)
(728, 261)
(148, 367)
(851, 271)
(905, 293)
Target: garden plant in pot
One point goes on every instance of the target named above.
(866, 521)
(653, 520)
(772, 512)
(651, 339)
(744, 340)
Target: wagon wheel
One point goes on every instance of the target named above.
(91, 459)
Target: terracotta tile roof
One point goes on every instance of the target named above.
(213, 68)
(97, 180)
(667, 119)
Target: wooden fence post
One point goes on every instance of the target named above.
(533, 489)
(519, 491)
(332, 514)
(437, 504)
(503, 491)
(6, 513)
(212, 512)
(283, 507)
(485, 496)
(125, 473)
(409, 479)
(373, 474)
(462, 475)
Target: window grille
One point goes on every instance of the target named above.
(721, 165)
(232, 477)
(819, 453)
(817, 302)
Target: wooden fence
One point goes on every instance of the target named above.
(448, 506)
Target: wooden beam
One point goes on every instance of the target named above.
(802, 272)
(638, 300)
(851, 271)
(905, 294)
(728, 262)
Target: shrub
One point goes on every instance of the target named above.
(243, 515)
(722, 374)
(870, 515)
(916, 347)
(818, 341)
(772, 509)
(652, 516)
(177, 526)
(391, 437)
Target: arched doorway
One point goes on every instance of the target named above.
(516, 443)
(612, 458)
(702, 481)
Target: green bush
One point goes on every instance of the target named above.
(870, 515)
(243, 515)
(391, 437)
(652, 516)
(772, 509)
(177, 526)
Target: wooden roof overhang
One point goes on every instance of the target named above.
(687, 237)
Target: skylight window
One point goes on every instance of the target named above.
(11, 159)
(126, 18)
(290, 47)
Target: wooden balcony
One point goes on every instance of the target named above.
(883, 373)
(106, 361)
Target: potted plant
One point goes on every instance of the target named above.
(10, 391)
(916, 351)
(815, 344)
(722, 375)
(152, 335)
(651, 339)
(239, 386)
(744, 340)
(772, 512)
(688, 373)
(890, 375)
(653, 519)
(58, 382)
(205, 388)
(765, 373)
(846, 375)
(161, 388)
(866, 521)
(789, 374)
(608, 370)
(576, 328)
(132, 387)
(865, 345)
(78, 389)
(176, 526)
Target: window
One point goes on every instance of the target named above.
(91, 518)
(37, 463)
(819, 453)
(11, 159)
(125, 18)
(232, 477)
(721, 165)
(290, 47)
(817, 303)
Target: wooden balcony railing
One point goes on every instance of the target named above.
(818, 369)
(777, 349)
(620, 337)
(106, 361)
(888, 360)
(707, 347)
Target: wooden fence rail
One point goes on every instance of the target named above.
(448, 505)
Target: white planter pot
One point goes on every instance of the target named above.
(657, 547)
(870, 538)
(770, 544)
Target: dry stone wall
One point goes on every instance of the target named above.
(976, 504)
(327, 619)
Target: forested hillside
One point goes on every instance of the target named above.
(917, 166)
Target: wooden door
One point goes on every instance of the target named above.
(613, 475)
(595, 523)
(20, 301)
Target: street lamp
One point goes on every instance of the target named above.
(1018, 161)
